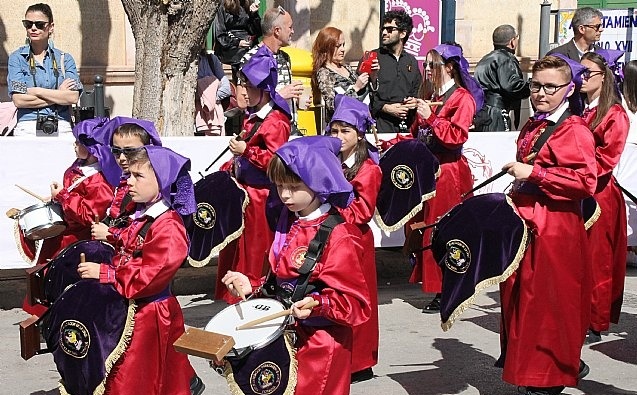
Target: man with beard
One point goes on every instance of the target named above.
(501, 78)
(393, 102)
(587, 29)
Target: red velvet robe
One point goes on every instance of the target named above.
(248, 253)
(150, 365)
(366, 185)
(546, 302)
(324, 352)
(89, 198)
(608, 239)
(451, 130)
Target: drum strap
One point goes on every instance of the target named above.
(446, 97)
(142, 234)
(314, 253)
(548, 131)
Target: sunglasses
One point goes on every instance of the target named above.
(281, 10)
(40, 25)
(126, 151)
(431, 65)
(587, 75)
(595, 27)
(390, 29)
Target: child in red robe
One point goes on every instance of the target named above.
(310, 182)
(350, 122)
(264, 130)
(609, 122)
(149, 253)
(83, 195)
(123, 135)
(546, 302)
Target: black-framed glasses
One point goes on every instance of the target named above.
(390, 29)
(549, 89)
(587, 75)
(40, 25)
(117, 151)
(595, 27)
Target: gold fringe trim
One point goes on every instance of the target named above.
(292, 374)
(591, 221)
(115, 355)
(229, 239)
(38, 245)
(493, 280)
(391, 228)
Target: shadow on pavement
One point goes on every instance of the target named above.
(461, 366)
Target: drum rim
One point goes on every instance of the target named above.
(241, 352)
(43, 227)
(29, 209)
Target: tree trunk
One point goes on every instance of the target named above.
(168, 37)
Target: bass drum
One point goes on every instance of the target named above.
(478, 243)
(409, 179)
(87, 330)
(62, 270)
(218, 220)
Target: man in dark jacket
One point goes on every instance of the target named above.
(501, 78)
(587, 28)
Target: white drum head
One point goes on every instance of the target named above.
(228, 319)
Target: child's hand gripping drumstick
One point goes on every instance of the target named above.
(270, 317)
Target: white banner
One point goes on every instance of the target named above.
(35, 162)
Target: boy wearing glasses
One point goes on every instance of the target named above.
(125, 136)
(393, 102)
(587, 29)
(546, 302)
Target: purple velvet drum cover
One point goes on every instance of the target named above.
(478, 243)
(218, 219)
(62, 270)
(409, 178)
(87, 330)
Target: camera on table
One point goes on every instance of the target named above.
(46, 125)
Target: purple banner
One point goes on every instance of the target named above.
(425, 15)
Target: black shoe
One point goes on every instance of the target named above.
(593, 337)
(584, 370)
(196, 386)
(433, 306)
(544, 391)
(362, 375)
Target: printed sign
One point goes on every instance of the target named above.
(620, 31)
(426, 18)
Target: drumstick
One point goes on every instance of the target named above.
(82, 258)
(236, 286)
(13, 213)
(496, 176)
(376, 140)
(35, 195)
(270, 317)
(434, 103)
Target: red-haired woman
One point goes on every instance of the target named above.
(330, 75)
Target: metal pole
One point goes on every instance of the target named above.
(448, 23)
(98, 96)
(545, 27)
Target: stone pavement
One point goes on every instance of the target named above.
(416, 356)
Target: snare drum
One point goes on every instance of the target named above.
(263, 360)
(42, 221)
(247, 340)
